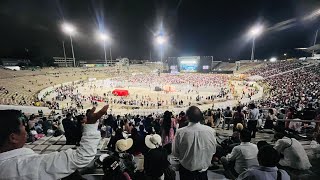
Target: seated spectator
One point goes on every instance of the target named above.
(81, 119)
(268, 159)
(112, 169)
(294, 155)
(46, 125)
(138, 145)
(142, 132)
(112, 143)
(155, 155)
(280, 125)
(260, 144)
(127, 127)
(182, 120)
(238, 117)
(70, 129)
(242, 156)
(271, 118)
(17, 162)
(309, 113)
(126, 159)
(315, 145)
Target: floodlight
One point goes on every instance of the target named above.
(161, 40)
(103, 36)
(256, 30)
(68, 28)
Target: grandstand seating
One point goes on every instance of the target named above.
(26, 83)
(226, 66)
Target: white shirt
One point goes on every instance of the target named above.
(25, 164)
(244, 155)
(194, 146)
(294, 155)
(315, 146)
(254, 114)
(263, 173)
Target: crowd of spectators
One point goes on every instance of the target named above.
(187, 138)
(296, 89)
(273, 68)
(196, 80)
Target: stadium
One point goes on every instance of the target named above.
(176, 116)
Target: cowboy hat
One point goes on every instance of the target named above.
(153, 141)
(123, 144)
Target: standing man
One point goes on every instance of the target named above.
(194, 146)
(253, 119)
(227, 117)
(17, 162)
(70, 129)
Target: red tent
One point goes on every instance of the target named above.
(120, 92)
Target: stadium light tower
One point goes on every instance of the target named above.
(70, 30)
(104, 37)
(254, 33)
(161, 41)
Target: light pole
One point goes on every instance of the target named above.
(315, 41)
(254, 33)
(161, 40)
(285, 56)
(70, 30)
(64, 53)
(104, 37)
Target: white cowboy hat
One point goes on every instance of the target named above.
(123, 144)
(153, 141)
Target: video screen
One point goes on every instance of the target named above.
(189, 63)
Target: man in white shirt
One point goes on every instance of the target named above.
(268, 159)
(242, 156)
(253, 120)
(315, 146)
(294, 155)
(194, 146)
(21, 163)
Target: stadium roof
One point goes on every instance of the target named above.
(315, 48)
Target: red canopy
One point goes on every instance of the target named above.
(120, 92)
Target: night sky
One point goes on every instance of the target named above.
(194, 27)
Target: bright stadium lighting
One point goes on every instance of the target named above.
(70, 30)
(254, 32)
(161, 40)
(273, 59)
(105, 37)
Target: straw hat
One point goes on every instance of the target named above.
(124, 144)
(153, 141)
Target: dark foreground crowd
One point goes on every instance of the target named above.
(145, 147)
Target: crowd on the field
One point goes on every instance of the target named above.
(195, 80)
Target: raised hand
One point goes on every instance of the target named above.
(92, 117)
